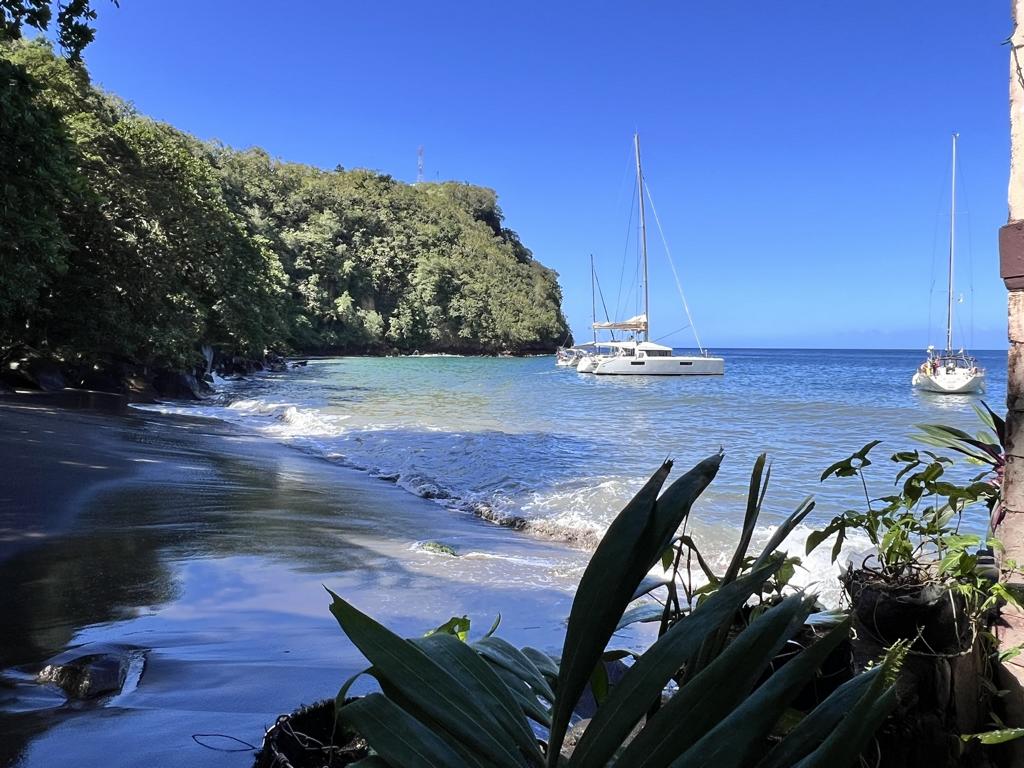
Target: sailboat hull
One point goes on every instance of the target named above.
(661, 366)
(956, 383)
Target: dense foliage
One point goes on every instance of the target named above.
(122, 237)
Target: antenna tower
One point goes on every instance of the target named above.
(419, 165)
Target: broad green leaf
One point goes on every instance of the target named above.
(456, 625)
(1000, 736)
(736, 739)
(526, 697)
(427, 685)
(397, 736)
(643, 683)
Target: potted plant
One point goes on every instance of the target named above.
(923, 584)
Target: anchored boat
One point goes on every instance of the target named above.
(950, 372)
(640, 356)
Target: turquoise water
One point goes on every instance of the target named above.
(519, 439)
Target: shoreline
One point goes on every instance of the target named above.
(205, 548)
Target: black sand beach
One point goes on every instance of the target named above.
(203, 550)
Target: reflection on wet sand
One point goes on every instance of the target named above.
(210, 553)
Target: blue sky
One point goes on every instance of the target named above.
(798, 152)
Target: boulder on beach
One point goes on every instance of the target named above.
(25, 368)
(87, 676)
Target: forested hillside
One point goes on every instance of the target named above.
(124, 238)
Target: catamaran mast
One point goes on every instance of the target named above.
(952, 238)
(593, 300)
(643, 232)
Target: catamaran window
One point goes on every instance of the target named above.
(637, 362)
(659, 353)
(687, 363)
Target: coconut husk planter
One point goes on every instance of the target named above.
(309, 738)
(940, 689)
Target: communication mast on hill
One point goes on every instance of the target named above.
(419, 165)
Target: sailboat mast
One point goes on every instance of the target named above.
(643, 232)
(593, 300)
(952, 240)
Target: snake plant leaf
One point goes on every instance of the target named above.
(398, 737)
(640, 687)
(673, 506)
(641, 613)
(484, 684)
(755, 497)
(543, 662)
(630, 548)
(504, 654)
(843, 746)
(734, 742)
(603, 593)
(786, 528)
(716, 690)
(649, 584)
(373, 761)
(813, 729)
(525, 697)
(427, 685)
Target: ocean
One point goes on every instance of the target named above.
(558, 453)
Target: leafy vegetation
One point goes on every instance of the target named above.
(916, 531)
(705, 693)
(122, 237)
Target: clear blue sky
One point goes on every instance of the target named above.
(798, 152)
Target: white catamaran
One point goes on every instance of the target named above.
(950, 372)
(640, 355)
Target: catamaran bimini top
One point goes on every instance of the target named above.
(638, 323)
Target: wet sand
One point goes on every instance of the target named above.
(207, 548)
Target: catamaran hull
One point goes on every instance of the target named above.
(946, 384)
(661, 366)
(586, 365)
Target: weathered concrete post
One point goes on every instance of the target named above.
(1010, 530)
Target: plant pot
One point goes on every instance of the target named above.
(934, 619)
(308, 738)
(940, 691)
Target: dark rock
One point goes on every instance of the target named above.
(178, 386)
(300, 363)
(88, 677)
(26, 368)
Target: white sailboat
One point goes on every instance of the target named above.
(641, 356)
(949, 371)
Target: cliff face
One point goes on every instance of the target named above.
(124, 238)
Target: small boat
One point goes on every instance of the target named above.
(641, 356)
(950, 372)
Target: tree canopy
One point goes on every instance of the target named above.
(121, 236)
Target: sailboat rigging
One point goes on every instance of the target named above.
(950, 372)
(639, 355)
